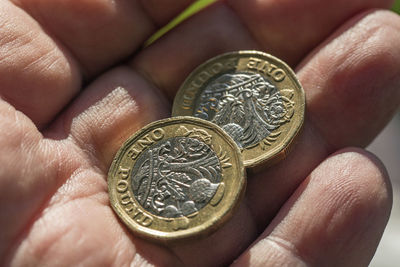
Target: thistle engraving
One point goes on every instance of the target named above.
(247, 106)
(178, 176)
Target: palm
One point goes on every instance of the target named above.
(53, 188)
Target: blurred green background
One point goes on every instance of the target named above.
(199, 4)
(397, 6)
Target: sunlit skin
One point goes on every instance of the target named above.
(75, 82)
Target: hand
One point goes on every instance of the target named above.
(58, 135)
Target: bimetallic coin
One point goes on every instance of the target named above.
(255, 97)
(176, 178)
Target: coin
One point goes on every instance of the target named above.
(176, 178)
(255, 97)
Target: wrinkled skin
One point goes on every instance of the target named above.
(75, 82)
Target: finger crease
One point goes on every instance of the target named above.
(286, 246)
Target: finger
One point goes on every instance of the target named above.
(335, 218)
(289, 29)
(228, 25)
(41, 65)
(37, 75)
(192, 47)
(346, 104)
(163, 11)
(101, 33)
(85, 231)
(116, 105)
(353, 79)
(29, 173)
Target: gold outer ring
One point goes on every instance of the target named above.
(212, 216)
(274, 148)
